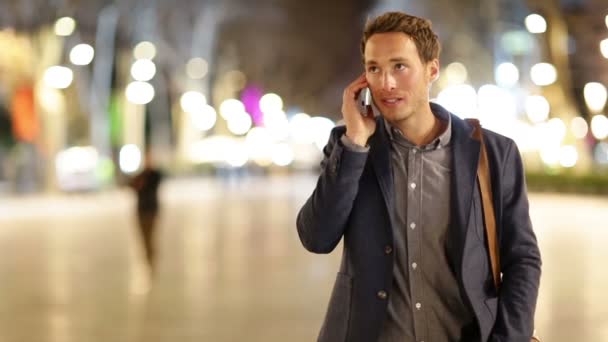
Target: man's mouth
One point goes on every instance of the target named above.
(392, 101)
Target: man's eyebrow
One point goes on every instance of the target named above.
(392, 60)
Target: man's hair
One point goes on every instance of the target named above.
(418, 29)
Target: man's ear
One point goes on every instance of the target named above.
(433, 70)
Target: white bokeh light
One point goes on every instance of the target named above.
(239, 123)
(549, 136)
(568, 156)
(525, 136)
(535, 23)
(599, 126)
(456, 73)
(277, 124)
(236, 155)
(259, 146)
(321, 128)
(271, 103)
(192, 101)
(604, 47)
(282, 154)
(77, 159)
(230, 108)
(213, 149)
(82, 54)
(65, 26)
(140, 92)
(595, 96)
(299, 128)
(58, 77)
(497, 107)
(197, 68)
(130, 158)
(143, 70)
(543, 74)
(537, 108)
(459, 99)
(506, 75)
(204, 118)
(551, 155)
(144, 50)
(579, 127)
(557, 129)
(52, 100)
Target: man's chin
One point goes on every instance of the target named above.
(390, 114)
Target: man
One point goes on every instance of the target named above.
(146, 185)
(401, 190)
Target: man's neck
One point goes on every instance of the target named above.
(421, 129)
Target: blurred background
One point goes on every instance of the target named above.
(233, 100)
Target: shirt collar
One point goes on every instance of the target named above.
(441, 141)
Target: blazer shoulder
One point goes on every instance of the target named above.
(498, 145)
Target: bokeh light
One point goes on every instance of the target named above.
(535, 23)
(130, 158)
(543, 74)
(82, 54)
(140, 92)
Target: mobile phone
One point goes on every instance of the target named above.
(365, 102)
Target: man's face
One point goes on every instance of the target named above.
(399, 81)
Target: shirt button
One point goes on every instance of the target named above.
(418, 306)
(382, 294)
(388, 249)
(414, 265)
(413, 185)
(412, 225)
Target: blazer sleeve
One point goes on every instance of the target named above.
(519, 257)
(323, 219)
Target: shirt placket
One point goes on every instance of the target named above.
(414, 240)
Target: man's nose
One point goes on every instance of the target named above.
(388, 82)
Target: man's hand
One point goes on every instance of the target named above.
(359, 126)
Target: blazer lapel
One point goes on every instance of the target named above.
(381, 161)
(465, 157)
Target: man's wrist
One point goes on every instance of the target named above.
(358, 140)
(351, 146)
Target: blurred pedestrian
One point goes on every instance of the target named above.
(146, 185)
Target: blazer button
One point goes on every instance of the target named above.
(388, 249)
(382, 294)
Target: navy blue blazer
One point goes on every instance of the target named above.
(351, 201)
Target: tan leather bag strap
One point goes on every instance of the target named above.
(489, 218)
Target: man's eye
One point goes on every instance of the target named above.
(400, 66)
(372, 69)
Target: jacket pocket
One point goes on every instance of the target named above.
(335, 326)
